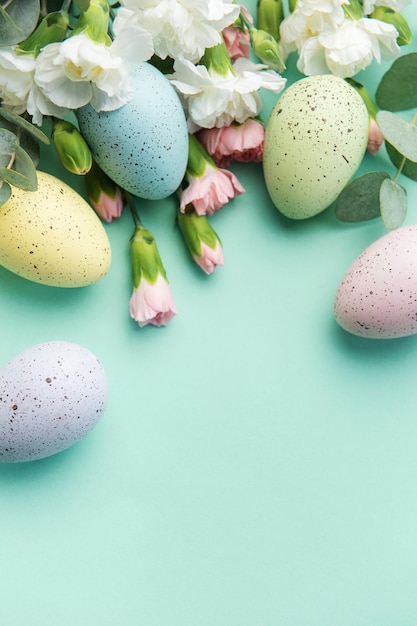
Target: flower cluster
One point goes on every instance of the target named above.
(343, 37)
(218, 62)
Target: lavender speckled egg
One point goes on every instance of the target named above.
(377, 297)
(51, 396)
(315, 140)
(142, 146)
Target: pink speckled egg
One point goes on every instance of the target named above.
(377, 297)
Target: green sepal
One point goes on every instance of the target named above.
(353, 9)
(146, 261)
(270, 14)
(198, 157)
(217, 59)
(94, 22)
(53, 28)
(98, 182)
(196, 230)
(389, 16)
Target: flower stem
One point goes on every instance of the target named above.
(133, 210)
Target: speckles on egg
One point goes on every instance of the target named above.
(377, 297)
(52, 236)
(142, 146)
(51, 396)
(315, 140)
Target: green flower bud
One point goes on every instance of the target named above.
(71, 147)
(389, 16)
(202, 241)
(53, 28)
(266, 49)
(94, 22)
(270, 16)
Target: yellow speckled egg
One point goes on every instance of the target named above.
(315, 140)
(53, 236)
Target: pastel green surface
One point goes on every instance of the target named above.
(256, 465)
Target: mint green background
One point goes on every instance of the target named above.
(255, 466)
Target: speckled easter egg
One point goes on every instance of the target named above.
(53, 236)
(315, 140)
(377, 296)
(142, 146)
(51, 396)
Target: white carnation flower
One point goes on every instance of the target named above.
(396, 5)
(16, 78)
(214, 100)
(180, 27)
(350, 48)
(78, 70)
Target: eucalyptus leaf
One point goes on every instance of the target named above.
(15, 178)
(18, 19)
(18, 120)
(359, 200)
(393, 199)
(23, 164)
(397, 90)
(408, 168)
(5, 192)
(399, 133)
(8, 140)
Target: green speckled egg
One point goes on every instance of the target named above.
(52, 236)
(142, 146)
(315, 140)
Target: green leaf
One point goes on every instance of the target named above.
(18, 19)
(7, 142)
(397, 90)
(23, 164)
(5, 192)
(18, 120)
(393, 204)
(399, 133)
(409, 168)
(15, 178)
(359, 200)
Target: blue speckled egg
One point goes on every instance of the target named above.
(142, 146)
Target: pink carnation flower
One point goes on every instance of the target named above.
(237, 42)
(238, 142)
(211, 191)
(152, 303)
(375, 137)
(210, 259)
(108, 208)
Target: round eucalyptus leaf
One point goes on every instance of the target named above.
(18, 19)
(8, 140)
(15, 178)
(24, 165)
(5, 192)
(409, 168)
(399, 133)
(397, 90)
(393, 199)
(19, 121)
(359, 200)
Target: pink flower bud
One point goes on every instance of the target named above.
(237, 42)
(108, 208)
(152, 303)
(211, 191)
(375, 137)
(238, 142)
(210, 259)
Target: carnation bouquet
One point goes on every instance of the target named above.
(99, 78)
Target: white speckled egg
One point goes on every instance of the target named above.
(142, 146)
(377, 296)
(315, 140)
(51, 396)
(53, 236)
